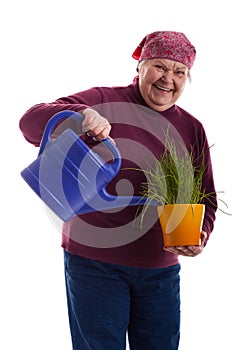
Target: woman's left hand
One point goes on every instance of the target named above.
(189, 250)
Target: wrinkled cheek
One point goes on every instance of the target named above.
(177, 94)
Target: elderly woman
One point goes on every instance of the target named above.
(129, 282)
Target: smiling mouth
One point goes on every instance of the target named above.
(162, 88)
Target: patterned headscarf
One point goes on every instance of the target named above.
(170, 45)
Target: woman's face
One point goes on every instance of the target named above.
(161, 82)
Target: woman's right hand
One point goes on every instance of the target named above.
(95, 125)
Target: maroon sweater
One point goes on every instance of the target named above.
(117, 236)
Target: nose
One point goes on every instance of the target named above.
(168, 76)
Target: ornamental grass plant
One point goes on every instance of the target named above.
(176, 178)
(173, 178)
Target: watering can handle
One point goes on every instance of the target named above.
(54, 120)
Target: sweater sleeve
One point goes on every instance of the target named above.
(33, 122)
(209, 187)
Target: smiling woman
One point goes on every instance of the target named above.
(165, 59)
(161, 82)
(114, 288)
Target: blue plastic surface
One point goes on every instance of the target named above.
(70, 178)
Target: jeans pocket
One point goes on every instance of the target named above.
(75, 263)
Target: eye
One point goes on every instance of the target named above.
(160, 68)
(180, 73)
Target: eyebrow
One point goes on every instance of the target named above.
(164, 64)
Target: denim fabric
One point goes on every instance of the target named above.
(105, 301)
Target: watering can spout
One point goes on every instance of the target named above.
(71, 178)
(105, 201)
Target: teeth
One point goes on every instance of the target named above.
(163, 88)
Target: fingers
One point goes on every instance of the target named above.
(191, 250)
(99, 132)
(203, 238)
(95, 125)
(185, 250)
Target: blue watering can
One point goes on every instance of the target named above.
(70, 178)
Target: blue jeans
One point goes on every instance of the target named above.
(105, 301)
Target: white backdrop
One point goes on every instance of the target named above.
(55, 48)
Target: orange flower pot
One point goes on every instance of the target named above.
(181, 223)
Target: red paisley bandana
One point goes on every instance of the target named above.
(170, 45)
